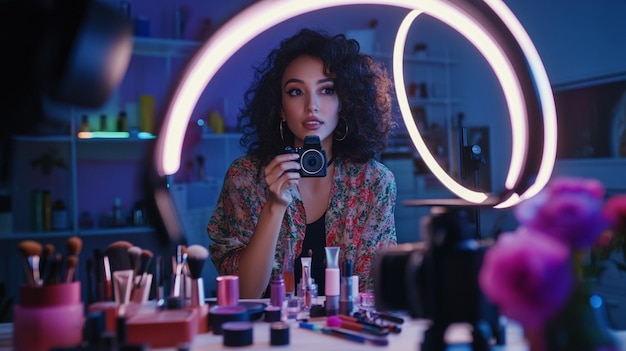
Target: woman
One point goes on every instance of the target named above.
(313, 84)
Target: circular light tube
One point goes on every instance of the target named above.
(544, 90)
(264, 14)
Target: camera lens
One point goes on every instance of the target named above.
(312, 161)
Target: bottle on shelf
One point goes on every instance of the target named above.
(147, 113)
(122, 122)
(138, 214)
(117, 218)
(37, 210)
(103, 123)
(59, 215)
(84, 124)
(47, 210)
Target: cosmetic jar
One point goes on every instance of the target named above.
(48, 316)
(227, 290)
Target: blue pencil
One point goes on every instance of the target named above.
(334, 332)
(345, 335)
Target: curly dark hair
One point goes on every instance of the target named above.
(362, 85)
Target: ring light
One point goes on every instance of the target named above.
(488, 25)
(505, 72)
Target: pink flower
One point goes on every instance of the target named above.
(615, 212)
(528, 275)
(570, 209)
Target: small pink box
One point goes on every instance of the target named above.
(48, 316)
(112, 311)
(168, 328)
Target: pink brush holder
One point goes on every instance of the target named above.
(48, 316)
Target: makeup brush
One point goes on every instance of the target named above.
(146, 260)
(159, 273)
(92, 286)
(181, 250)
(55, 266)
(74, 246)
(196, 257)
(179, 267)
(70, 270)
(134, 255)
(31, 250)
(46, 257)
(117, 253)
(177, 288)
(138, 287)
(108, 279)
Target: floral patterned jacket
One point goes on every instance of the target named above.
(359, 219)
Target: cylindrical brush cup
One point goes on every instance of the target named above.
(48, 316)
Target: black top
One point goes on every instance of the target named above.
(315, 241)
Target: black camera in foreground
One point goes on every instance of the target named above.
(312, 157)
(438, 280)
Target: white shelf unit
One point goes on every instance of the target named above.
(429, 91)
(72, 183)
(438, 106)
(194, 190)
(166, 49)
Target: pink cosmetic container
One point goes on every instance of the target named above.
(48, 316)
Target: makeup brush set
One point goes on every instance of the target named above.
(44, 266)
(50, 312)
(130, 283)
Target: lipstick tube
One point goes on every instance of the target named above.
(346, 300)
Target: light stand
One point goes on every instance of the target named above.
(471, 159)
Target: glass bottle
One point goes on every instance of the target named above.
(117, 218)
(84, 124)
(288, 270)
(59, 215)
(277, 290)
(122, 122)
(103, 123)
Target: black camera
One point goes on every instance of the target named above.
(437, 279)
(312, 157)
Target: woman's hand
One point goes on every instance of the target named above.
(280, 177)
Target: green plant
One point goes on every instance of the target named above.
(48, 161)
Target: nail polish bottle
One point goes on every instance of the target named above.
(277, 290)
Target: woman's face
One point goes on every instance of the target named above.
(310, 104)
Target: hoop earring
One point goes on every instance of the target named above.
(280, 128)
(345, 134)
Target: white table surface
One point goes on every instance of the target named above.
(304, 339)
(410, 338)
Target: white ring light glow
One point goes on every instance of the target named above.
(267, 13)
